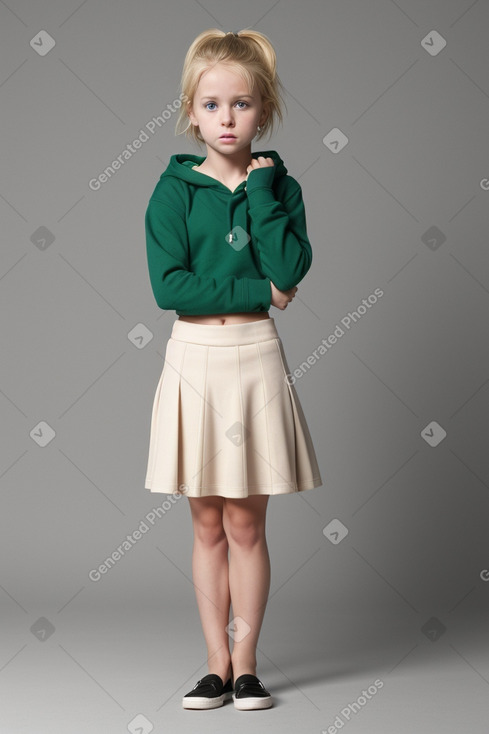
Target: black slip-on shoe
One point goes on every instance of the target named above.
(250, 693)
(208, 693)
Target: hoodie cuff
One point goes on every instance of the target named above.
(259, 294)
(259, 185)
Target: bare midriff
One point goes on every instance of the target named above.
(220, 319)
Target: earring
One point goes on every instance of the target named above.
(258, 128)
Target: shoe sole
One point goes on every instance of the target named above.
(250, 704)
(204, 703)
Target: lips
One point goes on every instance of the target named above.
(228, 136)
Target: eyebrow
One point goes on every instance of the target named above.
(215, 96)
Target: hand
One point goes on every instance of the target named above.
(260, 162)
(281, 299)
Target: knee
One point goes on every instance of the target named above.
(209, 531)
(244, 532)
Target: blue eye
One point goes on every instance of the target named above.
(240, 102)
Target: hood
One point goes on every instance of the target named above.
(180, 166)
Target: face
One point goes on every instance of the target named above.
(223, 105)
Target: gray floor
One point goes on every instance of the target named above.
(127, 667)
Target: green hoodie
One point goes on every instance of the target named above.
(211, 250)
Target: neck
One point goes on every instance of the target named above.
(227, 166)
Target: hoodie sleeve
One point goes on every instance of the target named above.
(278, 228)
(175, 287)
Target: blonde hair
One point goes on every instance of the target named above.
(250, 54)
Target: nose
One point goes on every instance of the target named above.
(227, 117)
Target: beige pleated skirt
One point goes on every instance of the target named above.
(226, 421)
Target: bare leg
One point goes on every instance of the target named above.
(210, 572)
(244, 522)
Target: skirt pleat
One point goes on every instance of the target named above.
(225, 419)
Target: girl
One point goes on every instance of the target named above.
(226, 239)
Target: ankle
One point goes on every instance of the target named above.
(240, 667)
(222, 668)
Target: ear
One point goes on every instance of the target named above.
(264, 116)
(191, 115)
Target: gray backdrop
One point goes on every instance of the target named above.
(379, 577)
